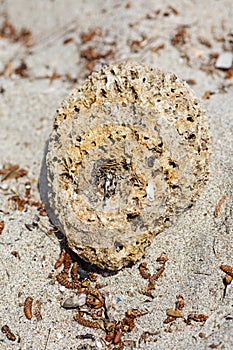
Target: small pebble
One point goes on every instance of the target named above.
(224, 60)
(150, 191)
(4, 186)
(59, 336)
(62, 289)
(75, 301)
(174, 313)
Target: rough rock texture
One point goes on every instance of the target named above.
(128, 153)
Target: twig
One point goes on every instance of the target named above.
(47, 340)
(218, 206)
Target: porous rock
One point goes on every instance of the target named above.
(128, 153)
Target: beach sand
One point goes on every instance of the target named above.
(46, 49)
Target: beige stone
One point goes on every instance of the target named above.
(128, 153)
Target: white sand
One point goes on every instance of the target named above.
(196, 245)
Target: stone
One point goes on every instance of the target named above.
(224, 60)
(128, 153)
(75, 301)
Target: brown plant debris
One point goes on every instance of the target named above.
(61, 259)
(28, 307)
(206, 95)
(143, 270)
(92, 276)
(23, 36)
(62, 278)
(157, 47)
(6, 330)
(219, 205)
(74, 272)
(116, 330)
(133, 313)
(38, 311)
(12, 171)
(21, 70)
(180, 37)
(16, 254)
(95, 299)
(2, 225)
(21, 202)
(229, 73)
(162, 259)
(148, 337)
(180, 302)
(96, 314)
(159, 272)
(204, 41)
(227, 279)
(173, 10)
(86, 336)
(91, 54)
(191, 82)
(70, 270)
(7, 30)
(227, 269)
(67, 263)
(209, 67)
(197, 317)
(68, 40)
(136, 45)
(85, 322)
(87, 36)
(173, 314)
(169, 319)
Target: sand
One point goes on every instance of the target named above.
(37, 71)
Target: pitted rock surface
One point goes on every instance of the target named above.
(128, 153)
